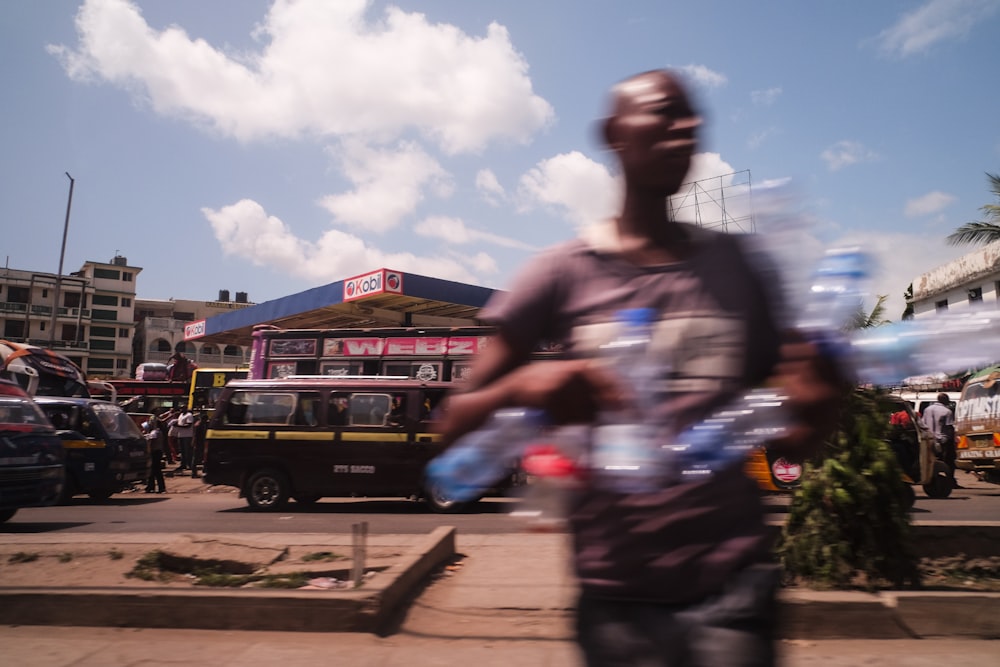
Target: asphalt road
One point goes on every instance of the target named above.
(227, 513)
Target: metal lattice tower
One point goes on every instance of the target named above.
(720, 202)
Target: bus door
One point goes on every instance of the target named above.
(371, 454)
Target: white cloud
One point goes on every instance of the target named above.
(702, 75)
(757, 139)
(578, 188)
(246, 231)
(325, 68)
(930, 203)
(765, 97)
(389, 183)
(935, 21)
(455, 231)
(489, 187)
(846, 153)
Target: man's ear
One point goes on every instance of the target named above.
(608, 133)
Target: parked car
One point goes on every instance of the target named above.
(31, 454)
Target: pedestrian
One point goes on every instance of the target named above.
(154, 436)
(169, 418)
(198, 444)
(682, 574)
(939, 419)
(185, 438)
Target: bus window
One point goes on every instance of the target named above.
(337, 409)
(307, 410)
(369, 409)
(397, 414)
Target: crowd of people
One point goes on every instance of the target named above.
(176, 437)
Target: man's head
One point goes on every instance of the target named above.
(944, 399)
(652, 129)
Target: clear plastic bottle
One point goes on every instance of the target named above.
(552, 476)
(626, 453)
(835, 294)
(478, 460)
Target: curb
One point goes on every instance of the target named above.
(360, 610)
(819, 615)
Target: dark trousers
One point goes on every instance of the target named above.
(155, 481)
(186, 452)
(735, 628)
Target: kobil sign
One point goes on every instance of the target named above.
(383, 281)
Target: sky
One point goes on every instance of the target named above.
(268, 147)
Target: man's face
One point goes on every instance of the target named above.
(654, 132)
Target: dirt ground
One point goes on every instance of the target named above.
(100, 566)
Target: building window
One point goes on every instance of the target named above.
(231, 351)
(104, 300)
(160, 346)
(17, 294)
(127, 277)
(97, 314)
(102, 332)
(123, 333)
(71, 299)
(184, 317)
(100, 344)
(110, 274)
(975, 295)
(126, 302)
(100, 364)
(13, 329)
(69, 332)
(121, 363)
(941, 305)
(45, 293)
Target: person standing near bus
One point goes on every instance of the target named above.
(154, 435)
(185, 438)
(939, 419)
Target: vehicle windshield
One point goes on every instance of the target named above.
(116, 421)
(19, 410)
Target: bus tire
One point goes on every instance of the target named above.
(439, 502)
(940, 484)
(267, 490)
(5, 515)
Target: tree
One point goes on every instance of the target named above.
(983, 231)
(870, 320)
(908, 295)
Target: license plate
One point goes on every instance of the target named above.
(979, 454)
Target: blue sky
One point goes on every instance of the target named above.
(269, 147)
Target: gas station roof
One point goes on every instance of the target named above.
(381, 298)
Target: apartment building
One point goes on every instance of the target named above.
(160, 331)
(87, 315)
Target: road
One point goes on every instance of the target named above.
(227, 513)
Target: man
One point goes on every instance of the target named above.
(680, 575)
(940, 421)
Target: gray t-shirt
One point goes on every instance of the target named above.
(715, 329)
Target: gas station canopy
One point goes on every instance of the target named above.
(381, 298)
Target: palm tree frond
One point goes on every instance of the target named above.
(975, 233)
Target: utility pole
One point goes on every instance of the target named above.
(62, 254)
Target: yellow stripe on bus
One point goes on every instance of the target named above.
(373, 437)
(84, 444)
(303, 435)
(217, 434)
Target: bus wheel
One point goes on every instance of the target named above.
(5, 515)
(440, 502)
(940, 484)
(100, 494)
(267, 490)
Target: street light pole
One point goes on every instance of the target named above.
(62, 254)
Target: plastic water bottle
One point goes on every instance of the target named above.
(626, 452)
(553, 474)
(951, 341)
(835, 294)
(477, 461)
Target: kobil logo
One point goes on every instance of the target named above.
(194, 330)
(376, 282)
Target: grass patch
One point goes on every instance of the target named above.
(147, 568)
(65, 557)
(322, 556)
(22, 557)
(151, 567)
(114, 554)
